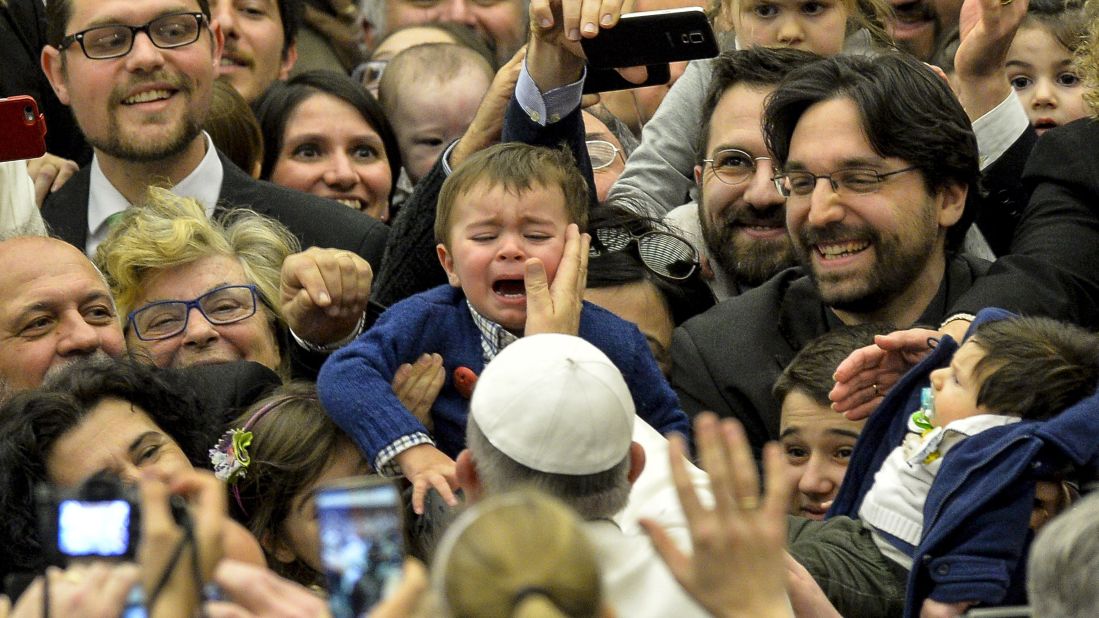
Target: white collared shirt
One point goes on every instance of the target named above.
(203, 184)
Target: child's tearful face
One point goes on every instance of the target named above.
(493, 232)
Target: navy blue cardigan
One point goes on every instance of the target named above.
(977, 514)
(354, 384)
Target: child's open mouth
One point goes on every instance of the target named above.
(510, 288)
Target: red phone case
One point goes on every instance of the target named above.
(22, 129)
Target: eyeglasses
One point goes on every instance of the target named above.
(164, 319)
(664, 253)
(846, 182)
(602, 153)
(732, 166)
(166, 32)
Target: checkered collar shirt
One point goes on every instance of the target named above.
(493, 336)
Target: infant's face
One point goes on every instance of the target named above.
(956, 387)
(426, 120)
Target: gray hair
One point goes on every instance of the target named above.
(593, 496)
(1064, 559)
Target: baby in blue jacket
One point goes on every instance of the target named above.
(508, 225)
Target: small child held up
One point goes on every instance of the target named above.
(1040, 64)
(508, 224)
(1008, 371)
(430, 94)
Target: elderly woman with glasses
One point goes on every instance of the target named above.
(195, 290)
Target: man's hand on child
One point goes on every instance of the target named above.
(426, 467)
(324, 293)
(738, 563)
(864, 377)
(555, 308)
(417, 385)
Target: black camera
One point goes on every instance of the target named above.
(100, 519)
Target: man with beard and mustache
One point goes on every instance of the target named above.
(139, 78)
(740, 213)
(876, 240)
(919, 26)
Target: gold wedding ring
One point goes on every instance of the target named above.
(877, 393)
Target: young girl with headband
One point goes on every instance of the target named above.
(282, 449)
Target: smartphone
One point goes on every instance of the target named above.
(606, 80)
(652, 37)
(362, 547)
(22, 129)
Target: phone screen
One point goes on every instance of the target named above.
(93, 528)
(361, 543)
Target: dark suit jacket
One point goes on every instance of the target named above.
(315, 221)
(727, 359)
(1053, 265)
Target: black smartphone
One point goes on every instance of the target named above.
(606, 80)
(362, 547)
(22, 129)
(652, 37)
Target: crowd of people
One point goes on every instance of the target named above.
(618, 355)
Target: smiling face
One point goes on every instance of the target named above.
(818, 444)
(427, 119)
(492, 234)
(201, 342)
(873, 253)
(955, 388)
(819, 26)
(329, 149)
(254, 56)
(118, 437)
(56, 309)
(147, 105)
(744, 225)
(1041, 72)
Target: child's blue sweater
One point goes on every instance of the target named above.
(354, 384)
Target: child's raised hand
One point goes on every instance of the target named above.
(555, 308)
(426, 467)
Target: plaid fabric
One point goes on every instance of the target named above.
(493, 336)
(386, 462)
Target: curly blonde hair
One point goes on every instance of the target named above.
(167, 230)
(1087, 57)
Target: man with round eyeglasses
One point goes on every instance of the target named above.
(139, 79)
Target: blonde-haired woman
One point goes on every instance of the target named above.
(520, 554)
(165, 259)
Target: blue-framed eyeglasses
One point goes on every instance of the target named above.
(168, 318)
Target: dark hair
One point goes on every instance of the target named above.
(290, 11)
(756, 67)
(292, 444)
(907, 112)
(1065, 20)
(275, 107)
(32, 422)
(59, 12)
(234, 128)
(517, 167)
(812, 369)
(685, 299)
(1035, 367)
